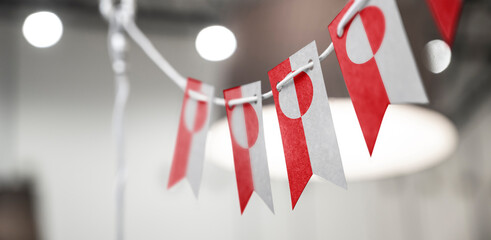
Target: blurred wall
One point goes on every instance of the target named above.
(8, 61)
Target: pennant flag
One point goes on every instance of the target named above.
(246, 130)
(191, 136)
(377, 64)
(446, 14)
(306, 125)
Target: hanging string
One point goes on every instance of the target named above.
(117, 48)
(291, 75)
(149, 49)
(107, 9)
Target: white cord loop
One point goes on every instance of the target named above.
(243, 100)
(293, 74)
(352, 11)
(198, 96)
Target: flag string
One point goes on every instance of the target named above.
(117, 49)
(151, 51)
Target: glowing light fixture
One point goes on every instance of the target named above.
(411, 138)
(215, 43)
(438, 55)
(42, 29)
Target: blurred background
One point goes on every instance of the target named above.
(57, 154)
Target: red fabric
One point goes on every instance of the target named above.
(304, 89)
(292, 132)
(374, 23)
(252, 124)
(363, 81)
(242, 160)
(185, 135)
(446, 14)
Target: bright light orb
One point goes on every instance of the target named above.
(215, 43)
(438, 56)
(42, 29)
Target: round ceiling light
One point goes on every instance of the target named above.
(215, 43)
(411, 138)
(42, 29)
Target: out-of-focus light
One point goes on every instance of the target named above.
(411, 139)
(438, 55)
(215, 43)
(42, 29)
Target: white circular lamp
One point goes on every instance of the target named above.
(411, 138)
(42, 29)
(216, 43)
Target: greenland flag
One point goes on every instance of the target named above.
(306, 125)
(246, 130)
(377, 64)
(191, 136)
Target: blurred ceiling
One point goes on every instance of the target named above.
(193, 10)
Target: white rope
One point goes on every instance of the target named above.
(326, 52)
(293, 74)
(239, 101)
(117, 45)
(107, 10)
(198, 96)
(122, 92)
(149, 49)
(137, 35)
(352, 11)
(116, 42)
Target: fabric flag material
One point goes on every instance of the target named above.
(246, 130)
(446, 14)
(377, 64)
(307, 130)
(191, 137)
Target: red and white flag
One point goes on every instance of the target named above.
(377, 63)
(306, 125)
(446, 14)
(246, 130)
(191, 136)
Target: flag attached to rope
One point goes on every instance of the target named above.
(446, 14)
(191, 136)
(377, 64)
(246, 130)
(306, 125)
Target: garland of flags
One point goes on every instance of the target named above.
(378, 67)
